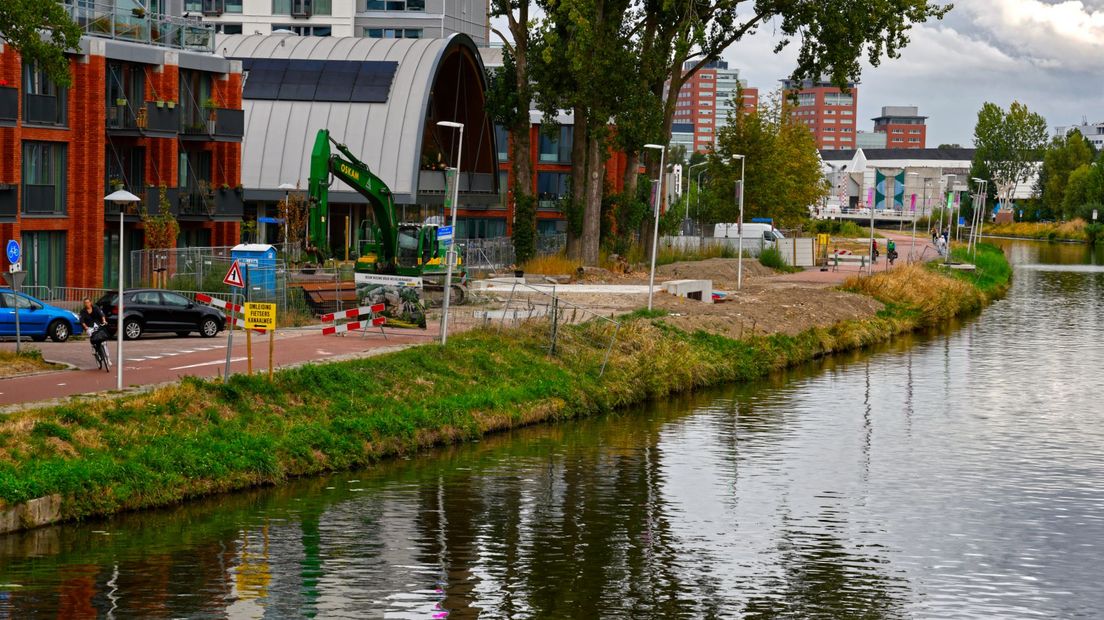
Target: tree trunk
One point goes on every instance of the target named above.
(631, 177)
(578, 184)
(592, 216)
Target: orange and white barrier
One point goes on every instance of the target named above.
(232, 310)
(362, 318)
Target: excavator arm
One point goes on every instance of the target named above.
(356, 175)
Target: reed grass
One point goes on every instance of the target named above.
(1073, 230)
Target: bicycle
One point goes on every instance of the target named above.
(99, 348)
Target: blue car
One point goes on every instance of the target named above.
(37, 320)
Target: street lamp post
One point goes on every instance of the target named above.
(450, 256)
(120, 198)
(692, 166)
(697, 207)
(978, 218)
(912, 245)
(655, 234)
(287, 187)
(740, 229)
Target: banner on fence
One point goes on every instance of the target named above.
(401, 296)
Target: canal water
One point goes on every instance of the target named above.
(951, 475)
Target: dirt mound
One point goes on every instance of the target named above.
(722, 271)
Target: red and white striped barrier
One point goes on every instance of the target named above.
(231, 310)
(372, 319)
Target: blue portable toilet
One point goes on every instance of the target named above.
(259, 259)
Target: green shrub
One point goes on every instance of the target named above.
(772, 257)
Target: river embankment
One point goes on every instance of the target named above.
(93, 457)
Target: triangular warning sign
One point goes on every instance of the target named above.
(234, 276)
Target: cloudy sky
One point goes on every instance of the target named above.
(1048, 54)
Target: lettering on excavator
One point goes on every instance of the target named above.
(349, 171)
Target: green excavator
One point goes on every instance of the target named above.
(394, 254)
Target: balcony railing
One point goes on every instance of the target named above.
(433, 181)
(40, 109)
(105, 20)
(150, 119)
(40, 200)
(9, 202)
(218, 124)
(194, 202)
(9, 105)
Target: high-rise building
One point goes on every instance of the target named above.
(381, 19)
(903, 126)
(870, 140)
(705, 102)
(826, 110)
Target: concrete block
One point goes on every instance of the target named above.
(699, 290)
(30, 514)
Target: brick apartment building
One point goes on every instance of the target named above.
(903, 127)
(550, 157)
(826, 110)
(704, 103)
(150, 105)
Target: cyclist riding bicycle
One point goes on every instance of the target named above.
(92, 319)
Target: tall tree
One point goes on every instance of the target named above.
(782, 171)
(42, 32)
(1085, 189)
(513, 94)
(1065, 154)
(1008, 145)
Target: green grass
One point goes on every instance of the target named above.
(993, 273)
(772, 257)
(200, 437)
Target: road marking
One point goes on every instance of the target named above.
(136, 359)
(187, 351)
(233, 359)
(153, 357)
(321, 352)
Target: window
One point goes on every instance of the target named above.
(194, 168)
(126, 94)
(395, 5)
(480, 227)
(393, 33)
(301, 7)
(914, 131)
(914, 140)
(126, 168)
(832, 129)
(552, 186)
(232, 6)
(838, 99)
(11, 300)
(502, 138)
(195, 90)
(557, 149)
(147, 298)
(44, 102)
(228, 28)
(706, 76)
(305, 31)
(847, 112)
(846, 130)
(174, 300)
(806, 99)
(45, 258)
(503, 188)
(44, 178)
(829, 111)
(898, 139)
(830, 121)
(898, 131)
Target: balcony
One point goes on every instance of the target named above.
(154, 119)
(548, 205)
(229, 204)
(40, 109)
(222, 125)
(433, 182)
(105, 20)
(9, 105)
(196, 203)
(9, 202)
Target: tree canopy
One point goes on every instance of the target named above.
(1064, 155)
(1008, 145)
(782, 173)
(42, 32)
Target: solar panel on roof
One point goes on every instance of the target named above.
(318, 80)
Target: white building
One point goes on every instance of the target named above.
(1093, 132)
(380, 19)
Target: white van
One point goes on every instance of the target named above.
(752, 231)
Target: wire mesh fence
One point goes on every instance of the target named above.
(497, 253)
(563, 328)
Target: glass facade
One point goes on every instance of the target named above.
(44, 258)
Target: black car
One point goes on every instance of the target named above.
(154, 310)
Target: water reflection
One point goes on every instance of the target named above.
(946, 475)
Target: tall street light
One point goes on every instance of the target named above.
(120, 198)
(740, 229)
(655, 234)
(698, 198)
(450, 256)
(912, 245)
(979, 207)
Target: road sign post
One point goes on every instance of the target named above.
(234, 279)
(260, 316)
(15, 280)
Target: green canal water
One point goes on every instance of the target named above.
(951, 475)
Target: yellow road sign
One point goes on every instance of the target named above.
(260, 316)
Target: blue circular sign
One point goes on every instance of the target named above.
(13, 251)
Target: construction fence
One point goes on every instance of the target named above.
(565, 329)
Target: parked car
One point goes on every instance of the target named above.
(37, 320)
(153, 310)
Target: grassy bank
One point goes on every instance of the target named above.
(201, 437)
(28, 360)
(1073, 230)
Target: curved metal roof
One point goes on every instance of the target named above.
(386, 136)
